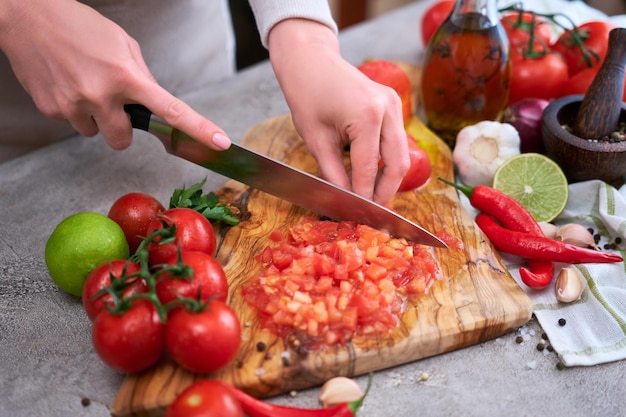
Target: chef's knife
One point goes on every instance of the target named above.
(281, 180)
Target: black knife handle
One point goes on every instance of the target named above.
(139, 116)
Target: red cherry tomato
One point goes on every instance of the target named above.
(433, 18)
(420, 169)
(205, 398)
(543, 77)
(205, 341)
(193, 233)
(134, 212)
(100, 278)
(595, 37)
(132, 341)
(208, 278)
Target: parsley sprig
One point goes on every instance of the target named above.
(207, 204)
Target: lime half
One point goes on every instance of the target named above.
(536, 181)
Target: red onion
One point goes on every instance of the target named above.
(525, 116)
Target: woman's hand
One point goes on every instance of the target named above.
(333, 105)
(80, 67)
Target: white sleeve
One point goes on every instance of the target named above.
(270, 12)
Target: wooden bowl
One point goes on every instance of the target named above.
(581, 159)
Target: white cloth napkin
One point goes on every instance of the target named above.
(595, 326)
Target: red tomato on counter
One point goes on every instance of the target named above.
(208, 279)
(132, 341)
(594, 35)
(134, 212)
(433, 18)
(390, 74)
(580, 82)
(203, 341)
(420, 169)
(205, 398)
(543, 77)
(519, 26)
(100, 278)
(193, 233)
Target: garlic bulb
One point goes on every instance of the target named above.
(339, 390)
(569, 286)
(576, 234)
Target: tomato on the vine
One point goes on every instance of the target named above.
(433, 17)
(131, 341)
(134, 212)
(594, 36)
(580, 82)
(203, 341)
(520, 25)
(541, 77)
(205, 398)
(193, 233)
(420, 169)
(100, 278)
(208, 279)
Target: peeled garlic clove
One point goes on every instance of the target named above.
(576, 234)
(548, 229)
(569, 285)
(339, 390)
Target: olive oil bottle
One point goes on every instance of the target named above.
(466, 69)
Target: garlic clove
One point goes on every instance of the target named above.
(548, 229)
(569, 286)
(576, 234)
(339, 390)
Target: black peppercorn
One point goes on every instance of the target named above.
(562, 322)
(519, 339)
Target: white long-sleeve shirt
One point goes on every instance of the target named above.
(185, 43)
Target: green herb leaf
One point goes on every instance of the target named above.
(207, 204)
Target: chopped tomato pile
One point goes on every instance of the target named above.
(327, 282)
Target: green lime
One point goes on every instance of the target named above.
(536, 181)
(78, 245)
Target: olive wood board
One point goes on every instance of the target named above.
(475, 300)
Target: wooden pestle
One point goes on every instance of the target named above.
(599, 111)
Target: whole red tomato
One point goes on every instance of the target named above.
(594, 35)
(420, 169)
(100, 278)
(132, 341)
(520, 25)
(580, 82)
(433, 18)
(542, 77)
(134, 212)
(193, 233)
(203, 341)
(205, 398)
(390, 74)
(208, 278)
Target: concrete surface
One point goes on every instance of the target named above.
(47, 365)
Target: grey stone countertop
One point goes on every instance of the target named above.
(47, 364)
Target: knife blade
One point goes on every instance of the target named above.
(281, 180)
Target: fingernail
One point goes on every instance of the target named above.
(221, 141)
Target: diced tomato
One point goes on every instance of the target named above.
(326, 282)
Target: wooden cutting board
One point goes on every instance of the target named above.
(476, 299)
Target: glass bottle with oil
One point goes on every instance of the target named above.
(466, 69)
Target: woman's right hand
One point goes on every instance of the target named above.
(82, 68)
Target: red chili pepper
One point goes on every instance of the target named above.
(538, 275)
(507, 210)
(254, 407)
(538, 247)
(513, 215)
